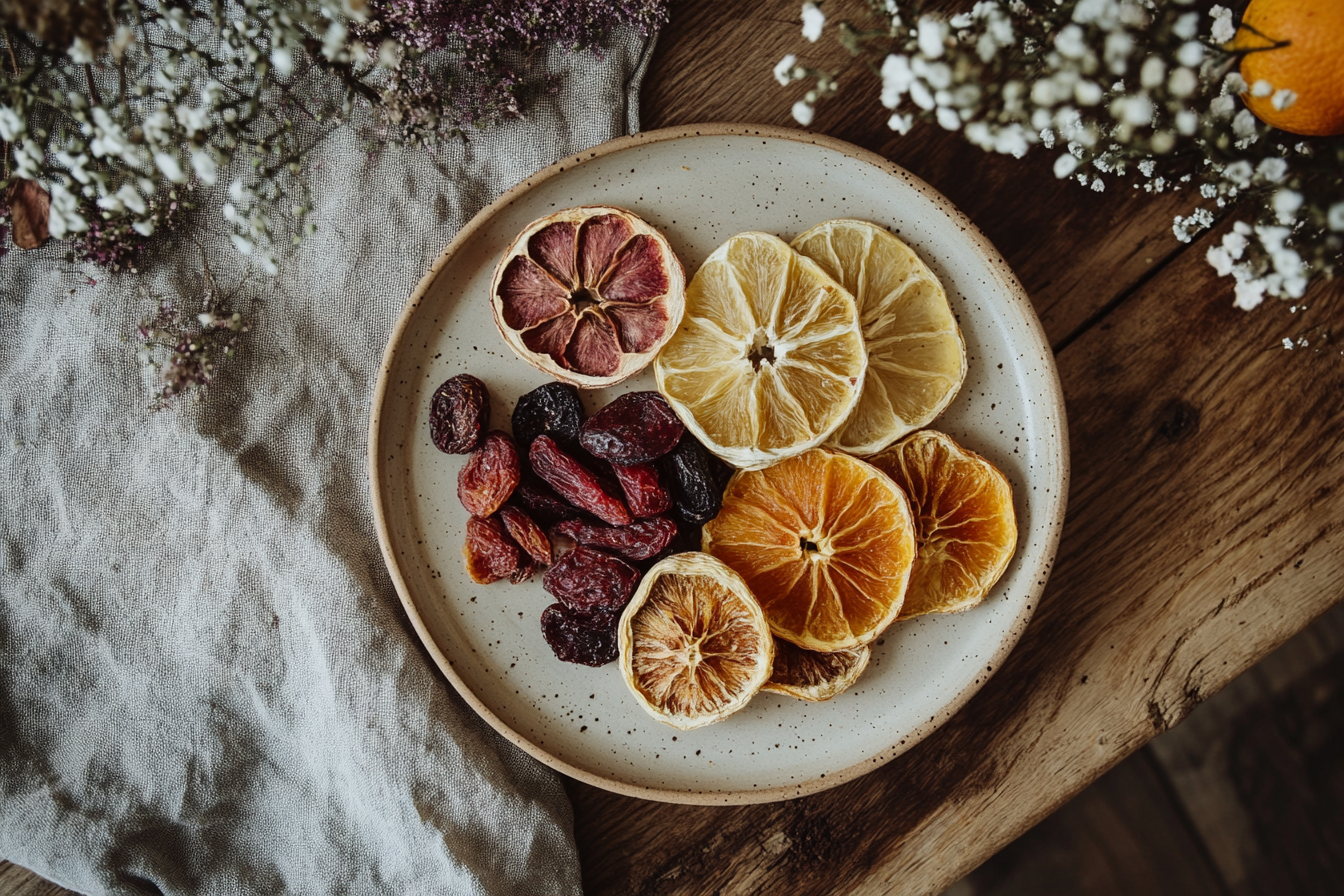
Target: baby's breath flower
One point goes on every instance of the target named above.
(813, 20)
(784, 69)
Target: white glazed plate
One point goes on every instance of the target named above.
(700, 186)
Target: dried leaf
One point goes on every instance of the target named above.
(29, 209)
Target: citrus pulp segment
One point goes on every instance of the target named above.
(916, 356)
(815, 676)
(769, 358)
(964, 518)
(825, 541)
(694, 644)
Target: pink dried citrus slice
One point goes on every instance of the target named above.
(588, 295)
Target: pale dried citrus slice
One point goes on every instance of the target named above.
(964, 521)
(812, 675)
(824, 540)
(588, 294)
(916, 356)
(694, 644)
(769, 359)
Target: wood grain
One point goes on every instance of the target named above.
(15, 880)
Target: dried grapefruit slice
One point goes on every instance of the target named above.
(916, 356)
(964, 521)
(769, 359)
(588, 294)
(824, 540)
(694, 644)
(811, 675)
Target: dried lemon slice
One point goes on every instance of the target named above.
(916, 356)
(769, 358)
(813, 675)
(694, 644)
(964, 521)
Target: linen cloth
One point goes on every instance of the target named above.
(207, 684)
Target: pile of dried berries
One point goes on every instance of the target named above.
(597, 501)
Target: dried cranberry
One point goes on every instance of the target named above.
(575, 639)
(638, 541)
(489, 476)
(526, 534)
(644, 492)
(576, 483)
(489, 553)
(634, 429)
(696, 492)
(458, 413)
(553, 409)
(587, 580)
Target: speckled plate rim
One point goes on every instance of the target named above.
(1012, 290)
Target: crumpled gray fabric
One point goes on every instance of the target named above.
(207, 684)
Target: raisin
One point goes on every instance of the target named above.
(490, 555)
(575, 639)
(696, 493)
(587, 581)
(634, 429)
(638, 541)
(553, 409)
(576, 483)
(526, 534)
(489, 476)
(458, 413)
(644, 492)
(525, 569)
(542, 504)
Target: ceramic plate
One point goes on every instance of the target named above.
(700, 186)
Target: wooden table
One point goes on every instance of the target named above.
(1205, 526)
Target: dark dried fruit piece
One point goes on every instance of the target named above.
(553, 409)
(489, 553)
(643, 488)
(634, 429)
(638, 541)
(576, 483)
(588, 294)
(526, 568)
(696, 493)
(489, 476)
(526, 534)
(588, 581)
(459, 413)
(542, 504)
(574, 639)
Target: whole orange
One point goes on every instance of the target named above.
(1296, 45)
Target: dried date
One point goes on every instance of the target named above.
(589, 581)
(638, 541)
(634, 429)
(574, 638)
(458, 414)
(554, 410)
(526, 534)
(489, 553)
(576, 483)
(489, 476)
(644, 492)
(691, 472)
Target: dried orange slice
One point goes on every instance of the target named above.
(694, 644)
(588, 295)
(916, 356)
(769, 359)
(811, 675)
(825, 542)
(964, 521)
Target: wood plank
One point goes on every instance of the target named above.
(15, 880)
(1122, 835)
(1259, 769)
(1205, 528)
(1075, 251)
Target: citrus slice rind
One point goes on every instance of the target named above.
(588, 294)
(810, 675)
(824, 541)
(769, 358)
(916, 354)
(694, 644)
(966, 527)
